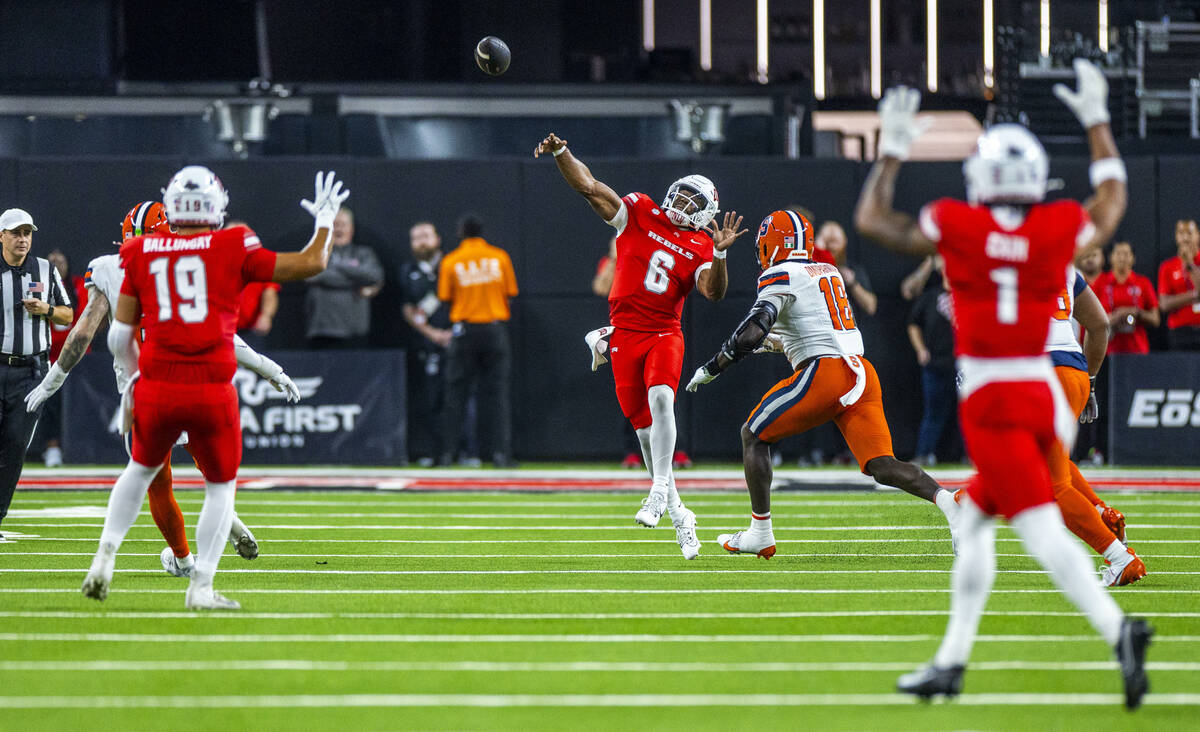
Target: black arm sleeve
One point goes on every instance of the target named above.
(748, 336)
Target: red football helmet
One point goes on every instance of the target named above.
(783, 235)
(145, 218)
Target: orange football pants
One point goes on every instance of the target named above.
(1075, 498)
(810, 397)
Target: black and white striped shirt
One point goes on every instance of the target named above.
(22, 334)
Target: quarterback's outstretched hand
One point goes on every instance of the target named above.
(50, 383)
(898, 125)
(700, 377)
(327, 199)
(1091, 410)
(551, 144)
(724, 235)
(1090, 102)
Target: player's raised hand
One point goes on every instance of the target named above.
(724, 235)
(1090, 101)
(898, 123)
(327, 199)
(551, 144)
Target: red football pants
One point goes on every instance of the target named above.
(640, 361)
(1008, 428)
(209, 414)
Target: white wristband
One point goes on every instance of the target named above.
(720, 253)
(1107, 169)
(559, 151)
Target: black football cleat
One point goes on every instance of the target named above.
(930, 681)
(1131, 654)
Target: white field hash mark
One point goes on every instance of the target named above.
(535, 638)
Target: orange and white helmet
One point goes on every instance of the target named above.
(783, 235)
(195, 197)
(145, 218)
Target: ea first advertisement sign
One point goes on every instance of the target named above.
(1155, 409)
(352, 410)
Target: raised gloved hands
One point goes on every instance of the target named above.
(700, 377)
(1090, 101)
(327, 199)
(898, 125)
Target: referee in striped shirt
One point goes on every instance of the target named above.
(31, 297)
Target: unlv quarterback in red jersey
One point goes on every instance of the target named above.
(663, 251)
(183, 289)
(1007, 253)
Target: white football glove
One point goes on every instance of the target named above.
(598, 342)
(1090, 102)
(51, 383)
(771, 344)
(284, 383)
(327, 199)
(700, 377)
(898, 125)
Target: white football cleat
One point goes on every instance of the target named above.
(99, 577)
(242, 540)
(685, 534)
(1125, 571)
(749, 542)
(597, 343)
(207, 598)
(171, 563)
(653, 507)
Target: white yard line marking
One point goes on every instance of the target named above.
(558, 667)
(615, 540)
(621, 527)
(151, 615)
(414, 572)
(568, 700)
(535, 638)
(590, 591)
(544, 555)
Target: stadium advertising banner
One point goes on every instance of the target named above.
(352, 410)
(1154, 404)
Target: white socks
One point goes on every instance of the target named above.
(125, 501)
(662, 435)
(971, 581)
(760, 524)
(1116, 551)
(674, 502)
(212, 530)
(1042, 530)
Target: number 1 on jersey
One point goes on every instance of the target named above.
(1006, 294)
(839, 306)
(191, 284)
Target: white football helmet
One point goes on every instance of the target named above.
(697, 191)
(1009, 166)
(195, 197)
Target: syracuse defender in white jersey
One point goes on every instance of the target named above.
(803, 306)
(1075, 365)
(103, 280)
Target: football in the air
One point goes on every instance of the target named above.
(492, 55)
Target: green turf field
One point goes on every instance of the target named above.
(377, 611)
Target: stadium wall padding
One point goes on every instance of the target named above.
(561, 409)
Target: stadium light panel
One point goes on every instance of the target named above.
(1044, 25)
(876, 51)
(648, 25)
(931, 45)
(762, 42)
(706, 35)
(989, 48)
(819, 49)
(1102, 31)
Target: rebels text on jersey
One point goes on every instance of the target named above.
(815, 318)
(189, 288)
(1005, 275)
(658, 264)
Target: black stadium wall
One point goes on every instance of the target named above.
(561, 408)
